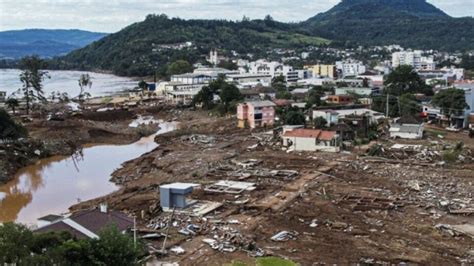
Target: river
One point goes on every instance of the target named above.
(67, 81)
(52, 185)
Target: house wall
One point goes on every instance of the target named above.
(309, 144)
(246, 115)
(170, 198)
(330, 117)
(404, 135)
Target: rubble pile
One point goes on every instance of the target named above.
(434, 153)
(219, 234)
(199, 139)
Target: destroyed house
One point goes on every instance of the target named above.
(85, 224)
(406, 131)
(311, 140)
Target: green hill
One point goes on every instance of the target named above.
(410, 23)
(140, 49)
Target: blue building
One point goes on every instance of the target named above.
(174, 195)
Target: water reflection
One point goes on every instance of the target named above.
(53, 184)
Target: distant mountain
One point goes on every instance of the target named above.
(147, 47)
(410, 23)
(45, 43)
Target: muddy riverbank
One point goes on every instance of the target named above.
(35, 190)
(66, 137)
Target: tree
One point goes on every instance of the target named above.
(314, 96)
(451, 101)
(84, 82)
(142, 85)
(229, 93)
(179, 67)
(12, 103)
(115, 248)
(205, 97)
(228, 65)
(9, 129)
(279, 83)
(32, 77)
(320, 122)
(15, 243)
(295, 118)
(409, 106)
(404, 79)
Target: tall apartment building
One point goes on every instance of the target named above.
(274, 69)
(322, 70)
(413, 59)
(350, 68)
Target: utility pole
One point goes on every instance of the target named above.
(387, 106)
(135, 232)
(163, 249)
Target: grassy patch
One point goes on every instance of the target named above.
(236, 263)
(435, 133)
(274, 261)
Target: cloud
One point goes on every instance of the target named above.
(112, 15)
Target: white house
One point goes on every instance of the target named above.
(274, 69)
(406, 131)
(300, 139)
(333, 116)
(191, 78)
(249, 80)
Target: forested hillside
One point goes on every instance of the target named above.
(410, 23)
(143, 48)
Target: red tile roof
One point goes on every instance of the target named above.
(327, 135)
(311, 133)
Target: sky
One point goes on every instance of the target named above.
(113, 15)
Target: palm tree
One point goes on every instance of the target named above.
(84, 82)
(12, 103)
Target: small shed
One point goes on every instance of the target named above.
(174, 195)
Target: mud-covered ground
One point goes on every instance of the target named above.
(49, 138)
(341, 208)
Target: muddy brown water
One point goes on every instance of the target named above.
(52, 185)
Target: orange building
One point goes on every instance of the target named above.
(340, 99)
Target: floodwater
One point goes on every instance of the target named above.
(52, 185)
(67, 81)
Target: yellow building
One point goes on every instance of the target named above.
(323, 70)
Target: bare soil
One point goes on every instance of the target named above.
(343, 208)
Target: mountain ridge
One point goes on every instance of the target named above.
(410, 23)
(52, 42)
(137, 50)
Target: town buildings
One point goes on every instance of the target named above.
(357, 90)
(274, 69)
(413, 59)
(322, 70)
(350, 68)
(340, 99)
(248, 80)
(256, 114)
(333, 115)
